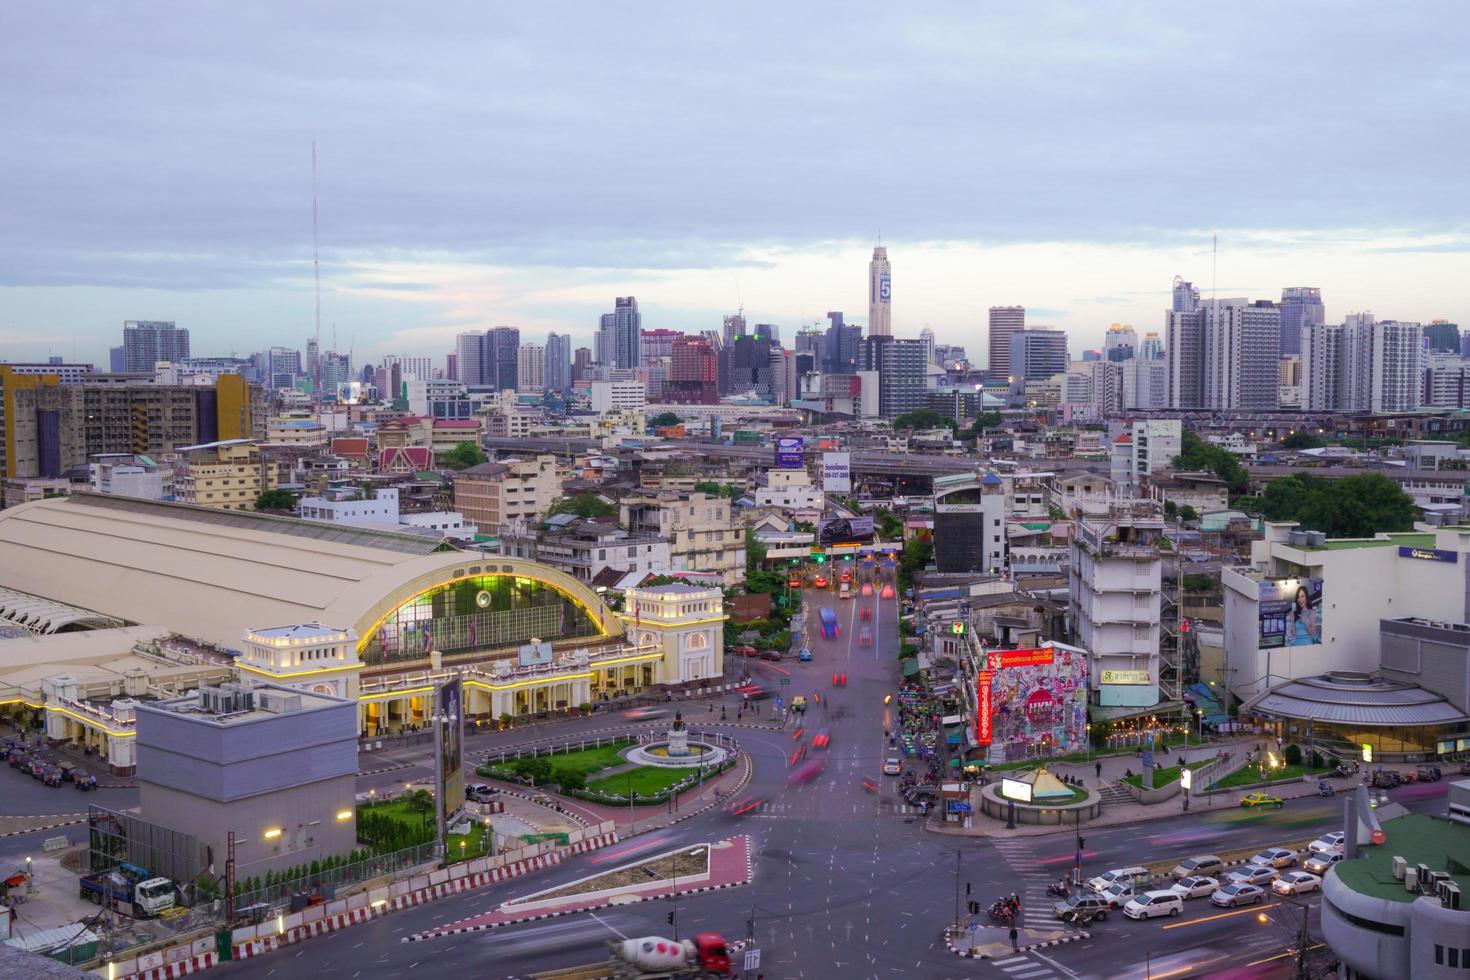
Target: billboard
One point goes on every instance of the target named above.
(790, 452)
(1015, 789)
(448, 751)
(1290, 612)
(349, 392)
(983, 708)
(837, 472)
(1036, 701)
(534, 655)
(885, 288)
(1020, 658)
(845, 530)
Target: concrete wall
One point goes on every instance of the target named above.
(306, 816)
(1382, 938)
(1436, 659)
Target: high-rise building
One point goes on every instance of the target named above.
(1038, 352)
(1152, 347)
(1004, 321)
(1146, 383)
(451, 366)
(620, 334)
(1443, 336)
(470, 356)
(1365, 365)
(1395, 365)
(656, 346)
(581, 363)
(282, 368)
(768, 331)
(336, 370)
(880, 294)
(734, 326)
(1186, 296)
(502, 350)
(1322, 366)
(146, 342)
(1092, 354)
(926, 336)
(117, 359)
(1301, 308)
(531, 368)
(1446, 381)
(745, 366)
(313, 364)
(693, 373)
(558, 369)
(1241, 347)
(900, 365)
(1121, 343)
(1185, 356)
(843, 343)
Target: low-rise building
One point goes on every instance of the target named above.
(295, 429)
(350, 505)
(790, 490)
(585, 550)
(702, 533)
(131, 475)
(493, 495)
(222, 475)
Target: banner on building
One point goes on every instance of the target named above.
(982, 708)
(1290, 611)
(1125, 677)
(837, 472)
(790, 452)
(448, 752)
(845, 530)
(534, 655)
(1020, 658)
(1037, 701)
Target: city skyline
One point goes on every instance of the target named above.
(428, 231)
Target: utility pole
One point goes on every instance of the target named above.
(230, 880)
(957, 856)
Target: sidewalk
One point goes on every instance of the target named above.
(994, 942)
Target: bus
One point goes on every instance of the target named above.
(829, 624)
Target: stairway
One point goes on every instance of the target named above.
(1115, 792)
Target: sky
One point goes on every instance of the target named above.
(523, 164)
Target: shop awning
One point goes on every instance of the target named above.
(910, 666)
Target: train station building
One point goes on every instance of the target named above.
(371, 615)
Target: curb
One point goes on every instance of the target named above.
(81, 818)
(179, 968)
(744, 782)
(970, 954)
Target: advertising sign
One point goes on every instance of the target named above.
(534, 655)
(1290, 612)
(1125, 677)
(837, 472)
(1015, 789)
(845, 530)
(885, 288)
(349, 392)
(790, 452)
(1021, 658)
(1429, 554)
(982, 708)
(448, 751)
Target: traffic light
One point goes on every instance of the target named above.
(671, 918)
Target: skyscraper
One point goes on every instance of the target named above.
(843, 342)
(558, 369)
(1185, 355)
(880, 293)
(900, 365)
(531, 368)
(1039, 352)
(1004, 321)
(1152, 347)
(1186, 296)
(581, 363)
(1301, 307)
(620, 333)
(734, 326)
(1443, 336)
(502, 350)
(1242, 343)
(146, 342)
(1120, 343)
(117, 359)
(693, 373)
(927, 337)
(470, 356)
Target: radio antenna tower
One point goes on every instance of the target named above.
(316, 268)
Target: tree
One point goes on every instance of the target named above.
(663, 420)
(569, 778)
(1283, 499)
(714, 489)
(889, 527)
(1198, 582)
(1187, 513)
(1196, 454)
(585, 505)
(462, 456)
(924, 418)
(275, 500)
(1359, 507)
(1171, 509)
(1301, 439)
(916, 556)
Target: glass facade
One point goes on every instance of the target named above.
(476, 613)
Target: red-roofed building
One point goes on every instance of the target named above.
(354, 449)
(405, 459)
(448, 433)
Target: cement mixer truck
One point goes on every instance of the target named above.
(654, 958)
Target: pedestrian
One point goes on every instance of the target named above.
(1098, 767)
(1014, 948)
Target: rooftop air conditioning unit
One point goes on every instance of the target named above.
(1411, 879)
(1297, 539)
(1316, 539)
(1399, 864)
(1449, 895)
(1436, 880)
(1424, 873)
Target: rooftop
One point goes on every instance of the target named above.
(1351, 697)
(1408, 539)
(1418, 839)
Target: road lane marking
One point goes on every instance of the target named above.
(1249, 909)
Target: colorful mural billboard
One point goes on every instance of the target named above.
(1034, 705)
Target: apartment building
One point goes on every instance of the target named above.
(516, 492)
(227, 475)
(587, 550)
(702, 533)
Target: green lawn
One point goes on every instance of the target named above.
(645, 781)
(1163, 777)
(1075, 757)
(587, 761)
(401, 811)
(473, 846)
(1246, 775)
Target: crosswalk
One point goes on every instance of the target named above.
(1036, 904)
(1024, 968)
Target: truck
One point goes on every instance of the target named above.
(148, 895)
(706, 956)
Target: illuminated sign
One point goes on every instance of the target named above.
(1367, 752)
(1015, 789)
(837, 472)
(1429, 554)
(1125, 677)
(1021, 658)
(1186, 780)
(790, 452)
(982, 708)
(957, 627)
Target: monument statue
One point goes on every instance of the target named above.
(678, 737)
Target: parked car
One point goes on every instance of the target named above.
(1429, 774)
(1150, 905)
(745, 650)
(1195, 886)
(1118, 894)
(1261, 799)
(1275, 857)
(1296, 883)
(1327, 842)
(1137, 875)
(1320, 862)
(1069, 908)
(1253, 874)
(771, 655)
(892, 766)
(1236, 894)
(480, 792)
(1200, 864)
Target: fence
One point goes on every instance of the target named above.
(326, 881)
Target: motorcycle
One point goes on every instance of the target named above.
(1059, 889)
(1325, 789)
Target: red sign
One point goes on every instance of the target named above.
(1021, 658)
(982, 708)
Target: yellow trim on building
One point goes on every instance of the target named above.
(299, 673)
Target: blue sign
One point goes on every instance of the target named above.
(790, 452)
(957, 807)
(885, 288)
(1429, 554)
(1148, 759)
(780, 703)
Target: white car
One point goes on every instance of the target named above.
(1275, 857)
(1125, 875)
(1252, 874)
(1327, 842)
(1152, 904)
(891, 766)
(1296, 883)
(1117, 895)
(1195, 886)
(1319, 863)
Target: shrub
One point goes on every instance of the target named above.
(1293, 755)
(1317, 761)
